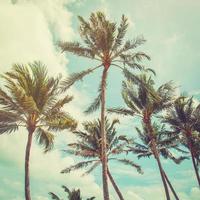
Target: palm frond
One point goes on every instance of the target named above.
(121, 111)
(66, 84)
(132, 164)
(8, 103)
(94, 105)
(77, 166)
(130, 45)
(92, 168)
(66, 189)
(121, 33)
(8, 127)
(59, 123)
(76, 49)
(45, 139)
(54, 196)
(9, 117)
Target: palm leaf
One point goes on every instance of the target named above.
(66, 84)
(121, 33)
(8, 127)
(121, 111)
(54, 196)
(131, 163)
(45, 139)
(77, 49)
(77, 166)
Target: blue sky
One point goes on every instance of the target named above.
(29, 31)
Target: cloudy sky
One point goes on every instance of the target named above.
(29, 31)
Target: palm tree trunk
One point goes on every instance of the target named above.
(147, 121)
(170, 185)
(27, 156)
(115, 186)
(103, 136)
(195, 167)
(163, 177)
(189, 142)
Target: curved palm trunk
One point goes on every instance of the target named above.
(103, 136)
(195, 167)
(147, 121)
(170, 185)
(188, 134)
(27, 156)
(115, 186)
(163, 178)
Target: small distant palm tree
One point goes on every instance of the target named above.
(184, 119)
(163, 144)
(146, 104)
(88, 147)
(73, 194)
(29, 99)
(104, 42)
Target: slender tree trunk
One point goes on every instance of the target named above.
(103, 136)
(163, 178)
(170, 185)
(115, 186)
(195, 167)
(189, 142)
(147, 121)
(27, 156)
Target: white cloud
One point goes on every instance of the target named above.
(27, 34)
(45, 168)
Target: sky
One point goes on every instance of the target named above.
(30, 30)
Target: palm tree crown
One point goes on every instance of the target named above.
(142, 99)
(184, 120)
(30, 100)
(89, 146)
(103, 41)
(164, 142)
(73, 194)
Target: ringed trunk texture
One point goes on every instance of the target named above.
(115, 186)
(170, 185)
(27, 157)
(103, 136)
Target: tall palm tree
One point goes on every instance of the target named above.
(73, 194)
(146, 104)
(103, 42)
(184, 120)
(89, 144)
(29, 98)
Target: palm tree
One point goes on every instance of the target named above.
(104, 43)
(146, 104)
(29, 99)
(163, 144)
(89, 144)
(72, 194)
(184, 120)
